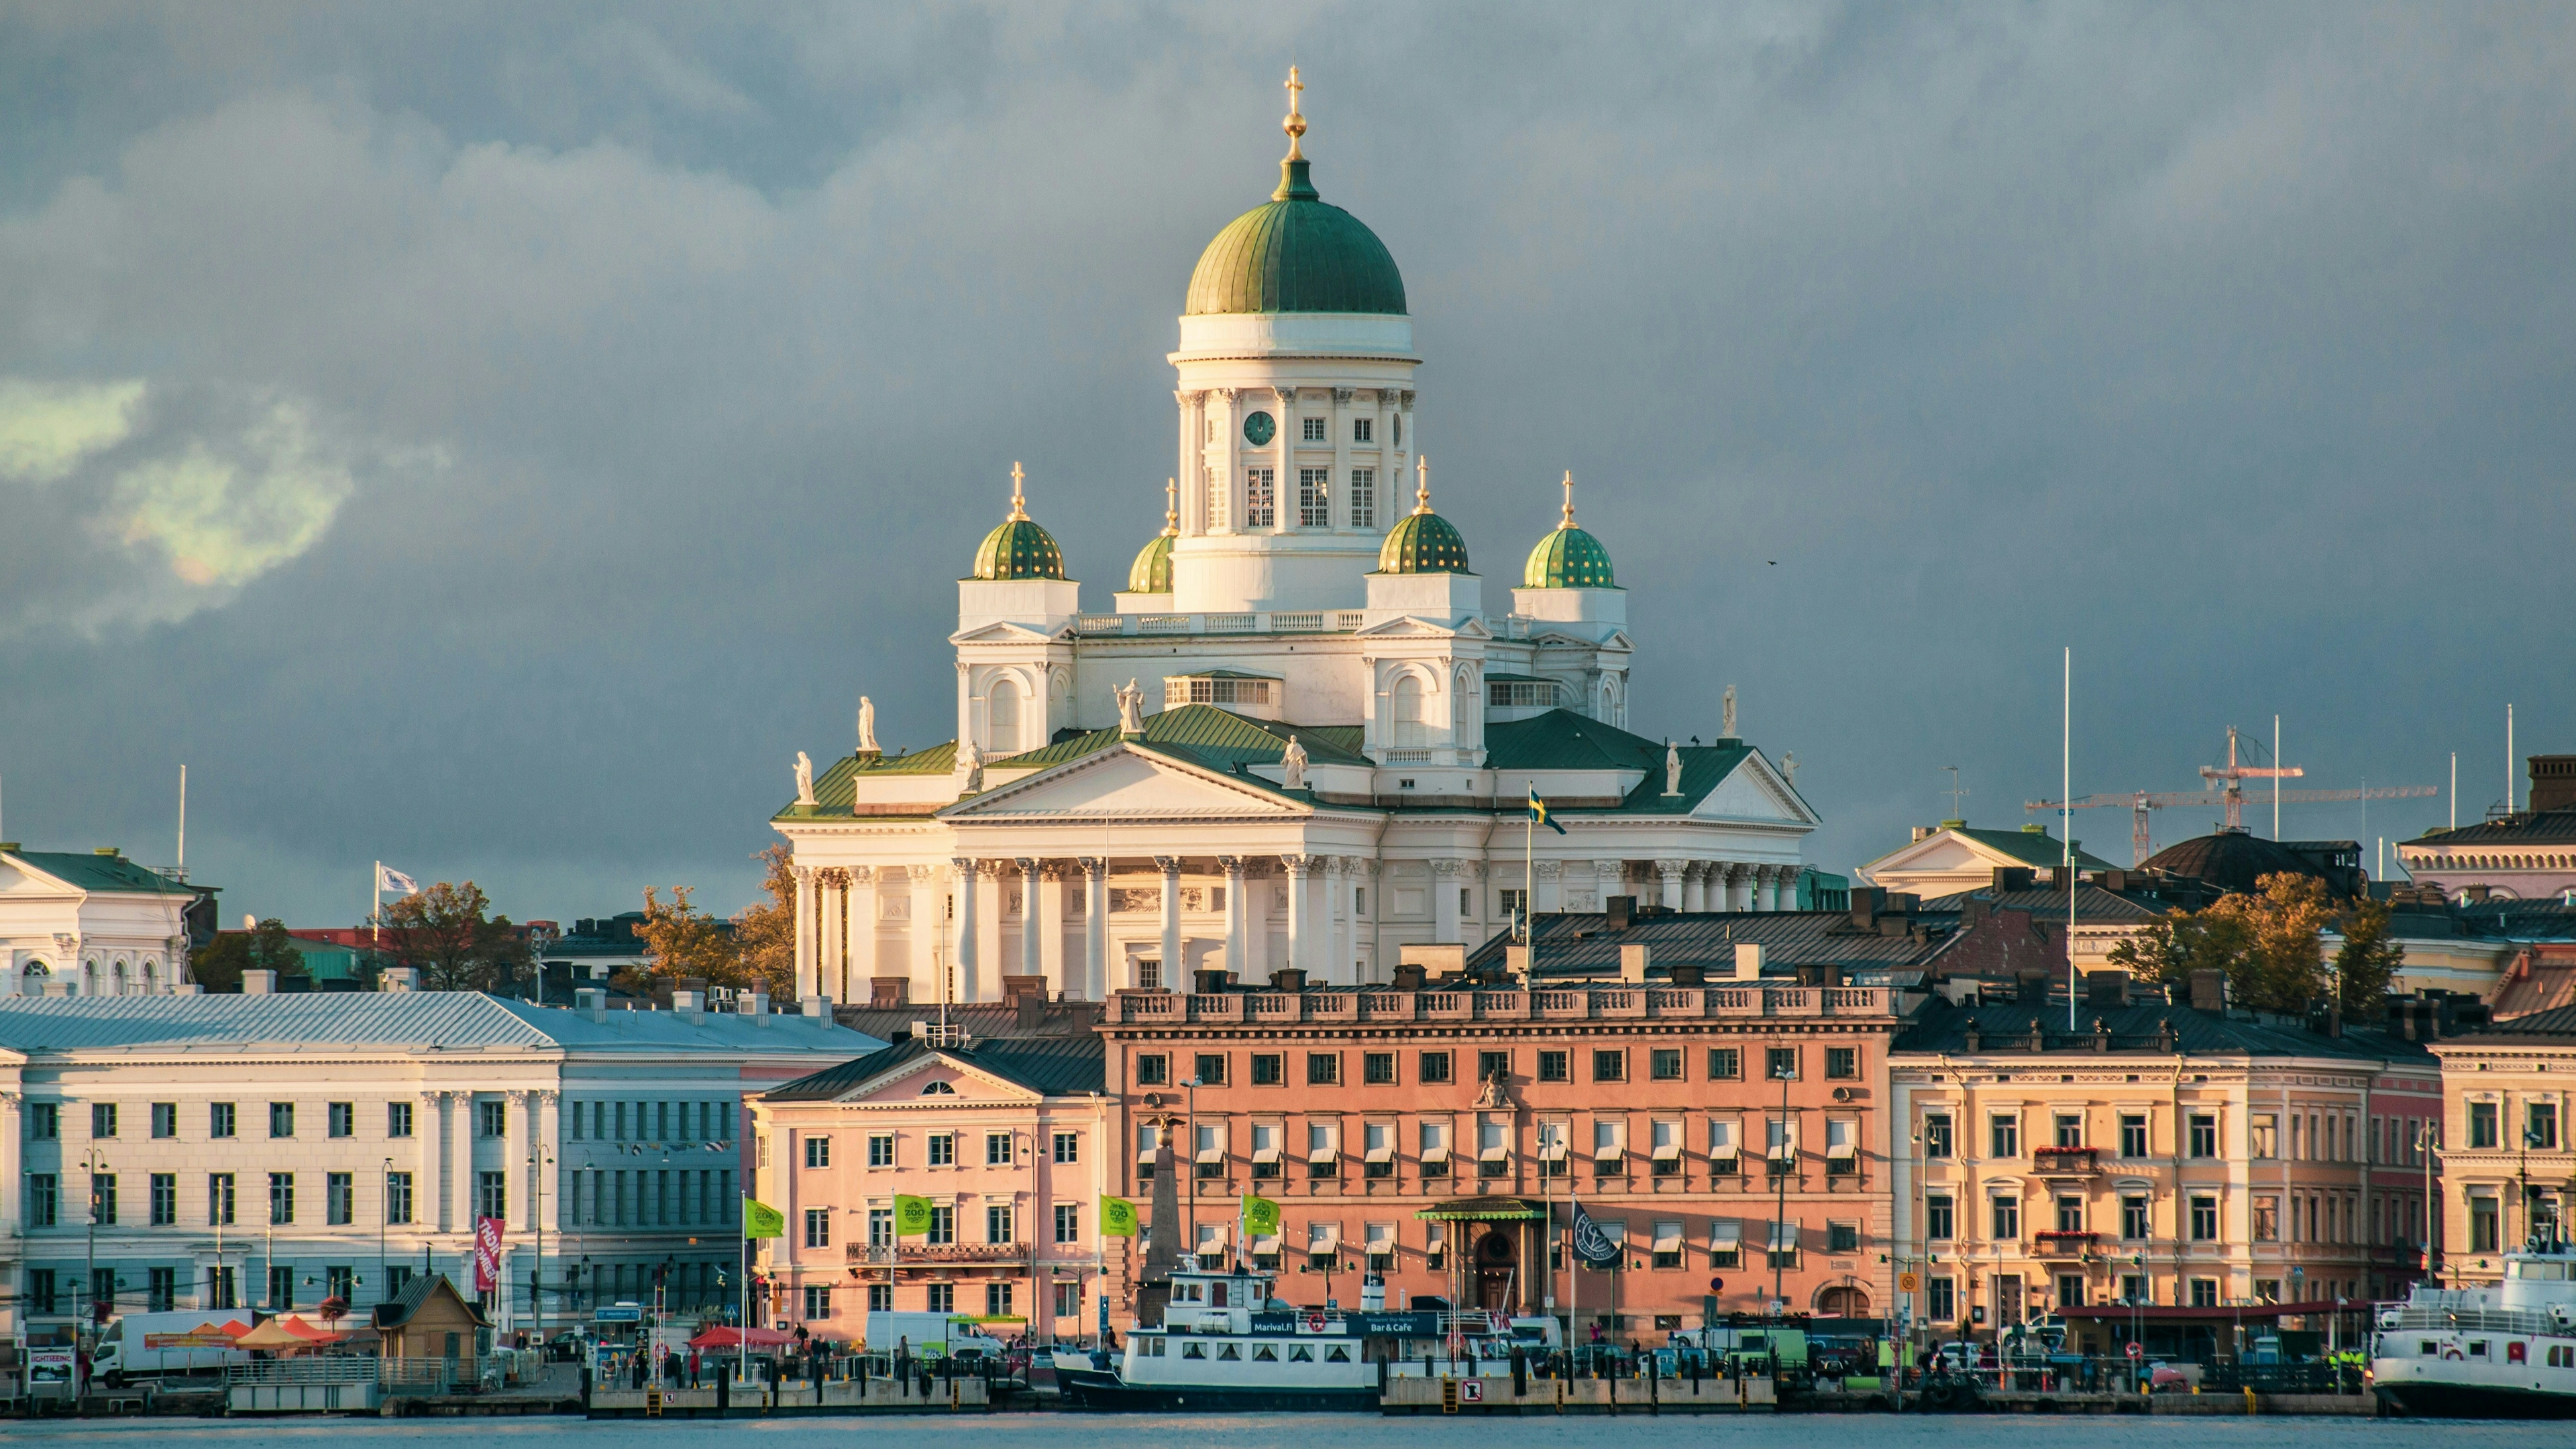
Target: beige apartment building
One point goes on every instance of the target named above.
(2507, 1171)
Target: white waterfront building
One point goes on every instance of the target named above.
(260, 1151)
(90, 925)
(1302, 590)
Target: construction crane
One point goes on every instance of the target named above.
(2231, 797)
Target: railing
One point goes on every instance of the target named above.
(1100, 624)
(2063, 1242)
(938, 1254)
(1408, 756)
(1297, 623)
(1349, 619)
(420, 1375)
(1311, 622)
(2064, 1161)
(1230, 623)
(1163, 624)
(1565, 1002)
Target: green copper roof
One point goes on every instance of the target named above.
(1019, 549)
(1568, 558)
(1423, 542)
(1152, 571)
(1295, 254)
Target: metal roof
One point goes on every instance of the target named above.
(1058, 1066)
(96, 872)
(2526, 827)
(1576, 941)
(419, 1021)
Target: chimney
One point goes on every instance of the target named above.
(2553, 782)
(592, 1001)
(1029, 1010)
(2106, 988)
(819, 1008)
(1293, 978)
(1748, 961)
(689, 1004)
(1516, 960)
(1633, 960)
(1920, 831)
(399, 978)
(2209, 991)
(1211, 980)
(1864, 906)
(758, 1009)
(1408, 976)
(1016, 987)
(1622, 911)
(2012, 877)
(889, 991)
(259, 983)
(2030, 987)
(1688, 973)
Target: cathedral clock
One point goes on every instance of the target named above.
(1258, 428)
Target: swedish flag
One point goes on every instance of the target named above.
(1538, 812)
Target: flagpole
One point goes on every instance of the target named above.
(376, 906)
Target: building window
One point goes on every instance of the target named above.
(2204, 1219)
(102, 1119)
(2204, 1135)
(1068, 1147)
(1269, 1069)
(220, 1199)
(1433, 1068)
(818, 1152)
(1780, 1064)
(943, 1226)
(281, 1197)
(1323, 1069)
(1936, 1135)
(880, 1149)
(998, 1227)
(43, 1293)
(943, 1149)
(2070, 1129)
(1610, 1066)
(2267, 1219)
(1941, 1299)
(1490, 1065)
(2263, 1136)
(1377, 1069)
(102, 1198)
(818, 1227)
(2003, 1137)
(44, 1200)
(1211, 1069)
(942, 1298)
(1725, 1064)
(339, 1199)
(2204, 1293)
(1068, 1222)
(165, 1119)
(163, 1294)
(2070, 1214)
(2133, 1219)
(2540, 1126)
(492, 1119)
(398, 1118)
(998, 1299)
(2133, 1134)
(1842, 1237)
(881, 1298)
(1153, 1069)
(2007, 1218)
(1362, 429)
(44, 1121)
(281, 1119)
(1000, 1149)
(818, 1300)
(165, 1199)
(1842, 1062)
(1555, 1066)
(344, 1119)
(1260, 498)
(397, 1199)
(2484, 1232)
(1940, 1218)
(1314, 495)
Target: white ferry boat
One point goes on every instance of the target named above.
(1225, 1343)
(2505, 1352)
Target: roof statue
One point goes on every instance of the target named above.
(804, 779)
(1131, 710)
(1672, 768)
(1789, 768)
(1726, 721)
(868, 727)
(1292, 766)
(972, 760)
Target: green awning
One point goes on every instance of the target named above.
(1483, 1210)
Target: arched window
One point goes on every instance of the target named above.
(1408, 713)
(116, 979)
(35, 972)
(89, 978)
(938, 1089)
(1002, 718)
(151, 977)
(1460, 693)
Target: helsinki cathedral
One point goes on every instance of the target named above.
(1296, 742)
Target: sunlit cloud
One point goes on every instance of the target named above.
(221, 520)
(47, 429)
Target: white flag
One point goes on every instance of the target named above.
(390, 879)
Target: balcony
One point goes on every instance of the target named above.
(2066, 1161)
(941, 1255)
(2062, 1242)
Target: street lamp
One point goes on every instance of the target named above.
(93, 1164)
(1192, 1087)
(1783, 1066)
(540, 1161)
(384, 1212)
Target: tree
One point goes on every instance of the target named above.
(218, 965)
(2269, 944)
(756, 950)
(766, 931)
(445, 933)
(2172, 947)
(2367, 962)
(682, 941)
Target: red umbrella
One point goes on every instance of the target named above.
(727, 1336)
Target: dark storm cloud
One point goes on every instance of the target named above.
(674, 364)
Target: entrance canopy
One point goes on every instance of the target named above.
(1484, 1210)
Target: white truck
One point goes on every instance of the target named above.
(931, 1335)
(154, 1345)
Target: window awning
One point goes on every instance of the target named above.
(1494, 1154)
(1265, 1154)
(1726, 1235)
(1381, 1237)
(1784, 1236)
(1323, 1237)
(1266, 1246)
(1668, 1237)
(1483, 1210)
(1435, 1154)
(1381, 1154)
(1212, 1154)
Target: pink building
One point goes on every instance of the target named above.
(1009, 1141)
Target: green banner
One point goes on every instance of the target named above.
(760, 1220)
(911, 1216)
(1260, 1216)
(1117, 1217)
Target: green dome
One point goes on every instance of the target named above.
(1152, 571)
(1019, 549)
(1295, 254)
(1568, 558)
(1423, 542)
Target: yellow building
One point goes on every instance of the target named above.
(2506, 1168)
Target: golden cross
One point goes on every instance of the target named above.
(1019, 504)
(1172, 505)
(1422, 483)
(1569, 498)
(1295, 125)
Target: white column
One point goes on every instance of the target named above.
(1670, 871)
(1301, 949)
(864, 913)
(12, 1181)
(966, 953)
(460, 1161)
(550, 1144)
(804, 932)
(1175, 970)
(517, 1131)
(990, 963)
(1287, 444)
(1739, 888)
(1695, 887)
(1340, 514)
(1549, 887)
(1050, 920)
(1095, 926)
(835, 968)
(1256, 921)
(1236, 959)
(429, 1140)
(1032, 935)
(1335, 947)
(929, 911)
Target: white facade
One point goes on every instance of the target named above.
(89, 925)
(363, 1134)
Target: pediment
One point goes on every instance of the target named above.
(1124, 782)
(1003, 632)
(1616, 642)
(1940, 853)
(936, 1078)
(17, 878)
(1416, 626)
(1755, 791)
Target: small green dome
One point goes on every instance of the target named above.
(1018, 548)
(1568, 558)
(1423, 542)
(1295, 253)
(1152, 571)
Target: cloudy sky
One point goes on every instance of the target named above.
(495, 438)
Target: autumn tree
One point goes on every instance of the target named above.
(218, 965)
(447, 934)
(2270, 947)
(681, 941)
(2367, 961)
(766, 930)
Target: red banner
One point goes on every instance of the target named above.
(487, 1254)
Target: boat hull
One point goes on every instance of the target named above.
(2423, 1400)
(1102, 1391)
